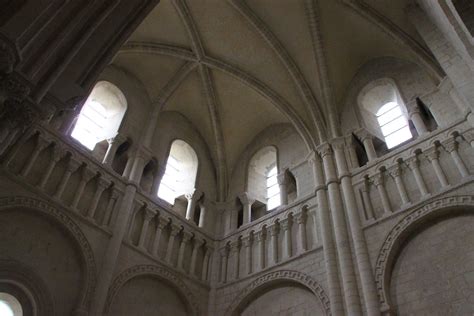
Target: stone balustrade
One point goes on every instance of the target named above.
(271, 240)
(81, 185)
(415, 172)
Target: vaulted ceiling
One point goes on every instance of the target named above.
(235, 67)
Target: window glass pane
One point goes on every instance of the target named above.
(271, 181)
(384, 109)
(398, 137)
(273, 202)
(394, 125)
(274, 189)
(272, 172)
(389, 116)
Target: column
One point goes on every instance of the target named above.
(379, 184)
(224, 252)
(205, 264)
(396, 173)
(202, 215)
(247, 202)
(273, 249)
(182, 248)
(351, 151)
(286, 227)
(54, 159)
(40, 145)
(433, 157)
(330, 263)
(114, 144)
(369, 292)
(235, 248)
(452, 149)
(141, 157)
(367, 139)
(70, 168)
(192, 199)
(102, 184)
(282, 183)
(86, 175)
(147, 217)
(301, 221)
(11, 154)
(247, 243)
(110, 206)
(169, 250)
(349, 282)
(415, 117)
(415, 169)
(162, 223)
(198, 242)
(261, 249)
(366, 199)
(133, 218)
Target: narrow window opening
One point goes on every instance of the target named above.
(394, 124)
(180, 173)
(273, 189)
(101, 115)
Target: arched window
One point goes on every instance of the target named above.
(180, 173)
(9, 305)
(394, 124)
(262, 178)
(465, 10)
(385, 112)
(101, 115)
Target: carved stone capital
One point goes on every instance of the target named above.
(338, 143)
(246, 199)
(395, 171)
(149, 214)
(451, 146)
(378, 179)
(187, 236)
(175, 230)
(195, 195)
(324, 150)
(433, 154)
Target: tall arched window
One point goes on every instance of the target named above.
(101, 115)
(180, 173)
(386, 112)
(262, 178)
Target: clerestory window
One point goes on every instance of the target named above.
(394, 124)
(101, 115)
(273, 189)
(9, 305)
(180, 173)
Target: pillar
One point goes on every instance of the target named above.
(380, 185)
(330, 263)
(148, 216)
(369, 209)
(70, 168)
(415, 117)
(162, 223)
(196, 245)
(367, 139)
(101, 186)
(205, 264)
(396, 173)
(247, 243)
(354, 161)
(414, 166)
(361, 251)
(114, 144)
(260, 237)
(86, 175)
(286, 228)
(433, 157)
(169, 250)
(40, 145)
(452, 148)
(283, 185)
(224, 252)
(192, 199)
(302, 241)
(349, 282)
(273, 249)
(182, 248)
(202, 216)
(235, 248)
(247, 202)
(106, 220)
(54, 159)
